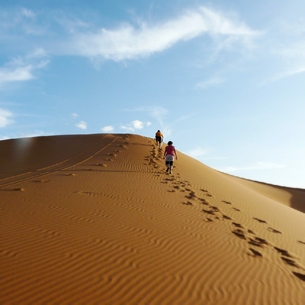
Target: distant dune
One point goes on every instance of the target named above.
(94, 219)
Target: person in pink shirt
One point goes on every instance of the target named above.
(169, 156)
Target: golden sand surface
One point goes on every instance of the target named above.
(94, 219)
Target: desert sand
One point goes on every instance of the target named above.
(94, 219)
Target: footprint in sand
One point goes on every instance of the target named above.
(258, 242)
(239, 233)
(17, 189)
(299, 275)
(122, 146)
(191, 195)
(211, 212)
(291, 262)
(112, 155)
(238, 225)
(226, 202)
(41, 181)
(283, 252)
(274, 231)
(209, 219)
(187, 203)
(255, 253)
(207, 192)
(70, 175)
(217, 215)
(110, 160)
(203, 201)
(259, 220)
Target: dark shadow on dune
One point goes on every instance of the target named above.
(297, 198)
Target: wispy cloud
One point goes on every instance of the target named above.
(82, 125)
(27, 13)
(16, 74)
(286, 47)
(131, 42)
(23, 68)
(5, 118)
(212, 82)
(256, 166)
(285, 74)
(128, 41)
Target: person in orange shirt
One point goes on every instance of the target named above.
(159, 138)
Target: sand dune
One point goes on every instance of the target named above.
(94, 219)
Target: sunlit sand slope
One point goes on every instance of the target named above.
(95, 219)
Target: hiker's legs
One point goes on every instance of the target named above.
(169, 163)
(167, 166)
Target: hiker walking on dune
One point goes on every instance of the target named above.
(169, 156)
(159, 138)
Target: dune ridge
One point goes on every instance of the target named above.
(94, 219)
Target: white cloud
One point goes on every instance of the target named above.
(16, 74)
(156, 112)
(137, 124)
(129, 42)
(74, 115)
(22, 69)
(5, 118)
(256, 166)
(108, 128)
(126, 128)
(82, 125)
(134, 125)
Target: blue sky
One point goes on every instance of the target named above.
(224, 80)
